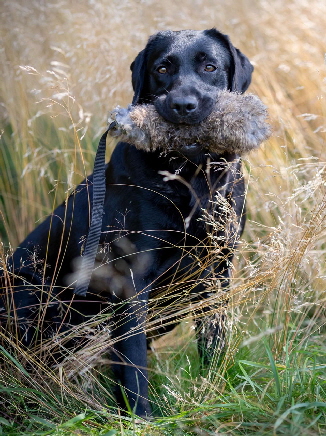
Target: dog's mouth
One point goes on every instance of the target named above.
(237, 124)
(191, 150)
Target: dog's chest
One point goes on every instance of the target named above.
(192, 202)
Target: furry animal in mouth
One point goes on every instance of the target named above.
(237, 124)
(154, 233)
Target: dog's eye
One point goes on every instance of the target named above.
(162, 69)
(210, 68)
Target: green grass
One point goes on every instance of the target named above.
(271, 380)
(261, 396)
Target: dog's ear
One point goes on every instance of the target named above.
(240, 76)
(138, 77)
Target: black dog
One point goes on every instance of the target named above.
(153, 232)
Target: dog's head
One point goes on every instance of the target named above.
(182, 72)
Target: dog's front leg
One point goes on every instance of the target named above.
(210, 331)
(211, 324)
(130, 352)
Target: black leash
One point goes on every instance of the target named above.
(94, 233)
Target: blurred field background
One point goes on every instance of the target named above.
(64, 64)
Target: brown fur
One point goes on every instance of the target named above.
(236, 125)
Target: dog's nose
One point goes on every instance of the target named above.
(183, 106)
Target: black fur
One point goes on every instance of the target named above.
(152, 228)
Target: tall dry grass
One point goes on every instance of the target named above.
(65, 64)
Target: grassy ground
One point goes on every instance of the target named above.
(64, 65)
